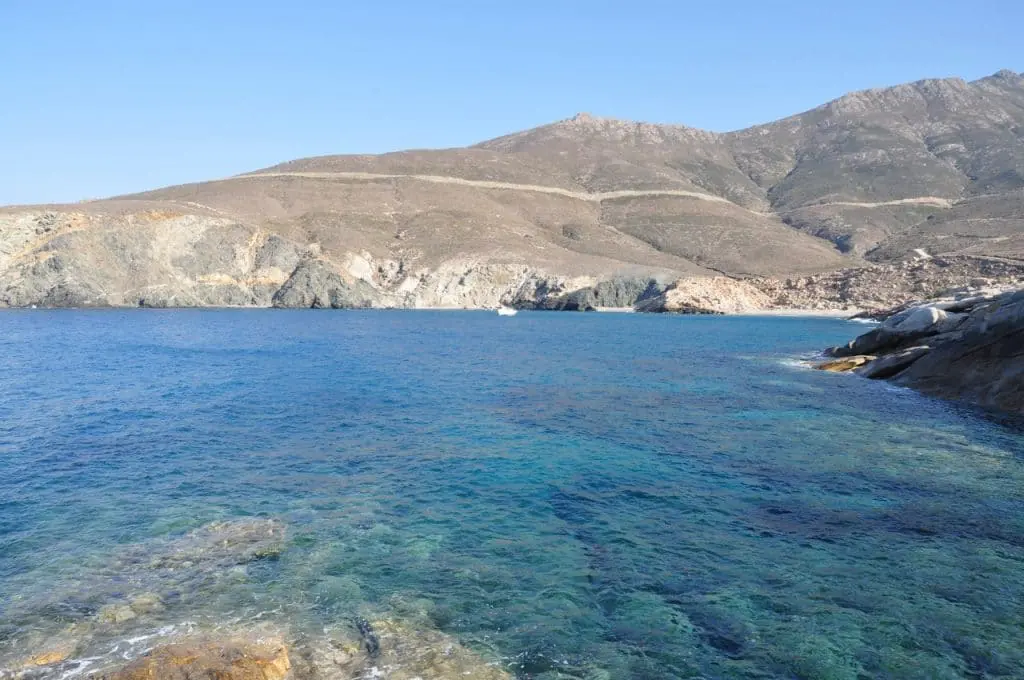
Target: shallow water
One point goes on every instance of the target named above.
(622, 496)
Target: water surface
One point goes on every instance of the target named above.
(585, 496)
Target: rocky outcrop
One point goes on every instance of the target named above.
(845, 364)
(968, 348)
(983, 362)
(315, 285)
(378, 648)
(709, 295)
(615, 293)
(220, 659)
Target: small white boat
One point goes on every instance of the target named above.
(506, 311)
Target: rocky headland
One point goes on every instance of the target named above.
(968, 346)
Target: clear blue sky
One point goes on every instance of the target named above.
(101, 97)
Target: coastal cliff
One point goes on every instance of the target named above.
(153, 257)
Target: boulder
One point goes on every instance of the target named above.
(845, 364)
(898, 317)
(915, 319)
(876, 341)
(902, 330)
(209, 659)
(891, 364)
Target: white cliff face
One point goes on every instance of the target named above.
(710, 295)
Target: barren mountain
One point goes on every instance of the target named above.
(883, 175)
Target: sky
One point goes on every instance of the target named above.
(109, 97)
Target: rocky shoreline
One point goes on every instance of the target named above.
(139, 619)
(966, 347)
(282, 273)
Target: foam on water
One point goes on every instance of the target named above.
(582, 496)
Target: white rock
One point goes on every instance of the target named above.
(920, 319)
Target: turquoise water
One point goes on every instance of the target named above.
(582, 495)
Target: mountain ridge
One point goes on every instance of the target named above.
(929, 168)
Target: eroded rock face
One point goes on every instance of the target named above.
(714, 295)
(619, 292)
(209, 659)
(885, 289)
(314, 284)
(184, 254)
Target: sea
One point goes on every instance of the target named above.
(575, 495)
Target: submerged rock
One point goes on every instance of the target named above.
(141, 583)
(212, 659)
(399, 651)
(115, 613)
(41, 660)
(222, 543)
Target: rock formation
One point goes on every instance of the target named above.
(220, 659)
(707, 295)
(397, 650)
(968, 348)
(384, 648)
(141, 584)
